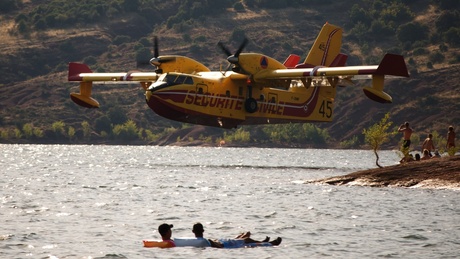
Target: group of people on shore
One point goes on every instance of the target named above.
(241, 240)
(428, 148)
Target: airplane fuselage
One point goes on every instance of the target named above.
(216, 99)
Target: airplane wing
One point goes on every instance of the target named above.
(82, 73)
(392, 65)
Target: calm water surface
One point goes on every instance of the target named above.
(61, 201)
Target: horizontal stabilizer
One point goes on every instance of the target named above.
(292, 61)
(339, 61)
(393, 65)
(75, 69)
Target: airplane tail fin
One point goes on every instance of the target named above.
(326, 48)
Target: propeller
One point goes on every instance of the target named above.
(233, 58)
(155, 60)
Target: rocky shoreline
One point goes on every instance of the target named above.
(436, 173)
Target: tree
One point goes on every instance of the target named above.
(378, 134)
(86, 129)
(58, 128)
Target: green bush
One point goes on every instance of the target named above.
(436, 57)
(7, 6)
(452, 37)
(412, 32)
(120, 39)
(90, 60)
(143, 55)
(420, 51)
(86, 129)
(58, 128)
(127, 132)
(238, 6)
(447, 20)
(103, 123)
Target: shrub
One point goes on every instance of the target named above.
(447, 20)
(238, 6)
(436, 57)
(86, 129)
(103, 123)
(58, 128)
(128, 131)
(420, 51)
(350, 143)
(90, 60)
(120, 39)
(7, 6)
(143, 55)
(412, 32)
(28, 130)
(452, 37)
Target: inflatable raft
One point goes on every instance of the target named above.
(180, 242)
(201, 242)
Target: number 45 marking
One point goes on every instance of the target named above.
(326, 109)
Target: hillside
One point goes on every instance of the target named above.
(33, 67)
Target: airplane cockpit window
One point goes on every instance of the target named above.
(172, 79)
(188, 80)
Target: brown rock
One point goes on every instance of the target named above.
(438, 173)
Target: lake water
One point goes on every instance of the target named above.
(69, 201)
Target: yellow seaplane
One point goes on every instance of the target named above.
(257, 90)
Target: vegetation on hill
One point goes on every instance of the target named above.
(40, 37)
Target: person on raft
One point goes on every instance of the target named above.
(242, 240)
(166, 233)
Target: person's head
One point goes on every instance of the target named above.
(417, 157)
(165, 231)
(451, 128)
(406, 124)
(430, 135)
(198, 229)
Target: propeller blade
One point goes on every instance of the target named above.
(242, 46)
(155, 47)
(224, 49)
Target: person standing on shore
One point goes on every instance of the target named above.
(428, 144)
(407, 132)
(450, 138)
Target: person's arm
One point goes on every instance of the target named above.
(215, 243)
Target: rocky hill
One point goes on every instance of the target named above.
(33, 65)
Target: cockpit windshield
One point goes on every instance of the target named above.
(175, 79)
